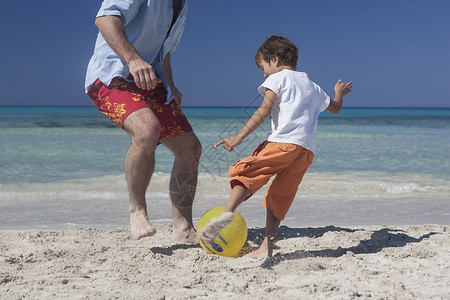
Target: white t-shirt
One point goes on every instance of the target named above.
(295, 114)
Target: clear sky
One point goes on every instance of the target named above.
(397, 52)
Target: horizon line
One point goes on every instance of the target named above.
(204, 106)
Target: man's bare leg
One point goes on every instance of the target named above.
(266, 247)
(238, 194)
(183, 183)
(143, 128)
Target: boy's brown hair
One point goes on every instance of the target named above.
(277, 46)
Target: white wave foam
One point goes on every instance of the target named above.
(405, 188)
(370, 185)
(314, 185)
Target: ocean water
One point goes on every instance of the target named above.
(63, 167)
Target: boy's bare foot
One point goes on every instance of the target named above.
(213, 228)
(261, 252)
(188, 236)
(140, 225)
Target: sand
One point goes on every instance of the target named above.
(371, 262)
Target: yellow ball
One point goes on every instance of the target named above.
(230, 240)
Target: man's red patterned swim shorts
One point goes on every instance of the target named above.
(118, 100)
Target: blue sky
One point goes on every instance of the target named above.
(397, 52)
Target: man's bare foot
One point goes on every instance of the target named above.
(213, 228)
(140, 225)
(261, 252)
(188, 236)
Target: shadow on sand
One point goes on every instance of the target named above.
(169, 250)
(380, 239)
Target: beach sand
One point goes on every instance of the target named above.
(370, 262)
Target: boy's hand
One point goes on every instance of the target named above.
(230, 142)
(343, 88)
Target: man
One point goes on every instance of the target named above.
(129, 79)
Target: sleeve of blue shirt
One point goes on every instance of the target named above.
(127, 10)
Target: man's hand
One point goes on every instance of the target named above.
(143, 74)
(230, 142)
(177, 96)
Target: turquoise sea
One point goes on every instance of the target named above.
(63, 166)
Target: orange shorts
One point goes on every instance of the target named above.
(288, 162)
(118, 100)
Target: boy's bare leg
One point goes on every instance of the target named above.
(211, 230)
(266, 247)
(238, 194)
(143, 128)
(183, 183)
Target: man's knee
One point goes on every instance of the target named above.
(194, 149)
(143, 128)
(189, 150)
(185, 147)
(147, 136)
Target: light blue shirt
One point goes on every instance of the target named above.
(147, 24)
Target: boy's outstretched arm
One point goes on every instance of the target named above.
(256, 120)
(340, 90)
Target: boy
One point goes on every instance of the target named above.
(295, 103)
